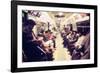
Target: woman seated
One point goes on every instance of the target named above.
(72, 39)
(79, 47)
(47, 46)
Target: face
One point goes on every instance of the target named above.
(46, 34)
(40, 38)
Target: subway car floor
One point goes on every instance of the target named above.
(61, 53)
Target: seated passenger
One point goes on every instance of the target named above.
(72, 38)
(86, 54)
(81, 47)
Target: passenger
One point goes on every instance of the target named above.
(31, 48)
(86, 42)
(72, 38)
(79, 48)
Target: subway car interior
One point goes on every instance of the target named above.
(55, 36)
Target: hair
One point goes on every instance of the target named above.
(28, 25)
(47, 31)
(40, 35)
(31, 23)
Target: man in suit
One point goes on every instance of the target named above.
(31, 47)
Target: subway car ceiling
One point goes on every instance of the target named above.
(57, 18)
